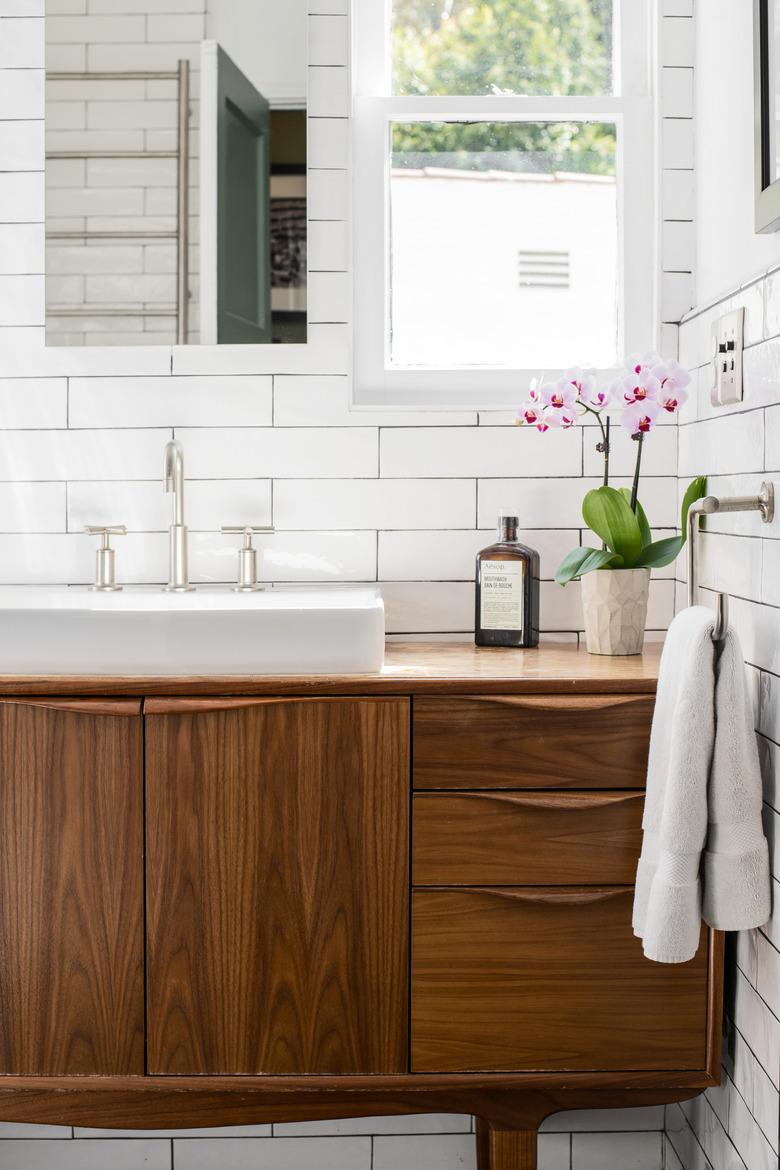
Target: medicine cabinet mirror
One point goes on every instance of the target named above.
(176, 204)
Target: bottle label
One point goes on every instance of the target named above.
(502, 591)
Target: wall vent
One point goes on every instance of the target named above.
(543, 269)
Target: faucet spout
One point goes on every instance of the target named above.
(178, 572)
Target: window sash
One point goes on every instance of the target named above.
(633, 112)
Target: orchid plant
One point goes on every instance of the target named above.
(643, 393)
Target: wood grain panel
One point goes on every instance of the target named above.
(514, 741)
(71, 889)
(529, 839)
(410, 668)
(547, 979)
(278, 888)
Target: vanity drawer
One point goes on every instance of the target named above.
(532, 741)
(533, 838)
(547, 979)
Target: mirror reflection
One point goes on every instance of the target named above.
(176, 203)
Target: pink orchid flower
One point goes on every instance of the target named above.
(529, 414)
(561, 395)
(671, 375)
(641, 387)
(583, 381)
(635, 363)
(640, 417)
(598, 399)
(671, 398)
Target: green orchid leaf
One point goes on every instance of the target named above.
(607, 513)
(644, 526)
(660, 553)
(696, 489)
(585, 560)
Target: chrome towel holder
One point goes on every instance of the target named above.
(764, 503)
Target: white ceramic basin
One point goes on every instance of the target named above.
(213, 631)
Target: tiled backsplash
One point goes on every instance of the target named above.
(736, 1125)
(402, 498)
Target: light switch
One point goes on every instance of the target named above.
(728, 335)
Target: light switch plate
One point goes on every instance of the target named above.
(728, 339)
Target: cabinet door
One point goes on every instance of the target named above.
(71, 888)
(277, 886)
(548, 979)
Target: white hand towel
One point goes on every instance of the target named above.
(704, 854)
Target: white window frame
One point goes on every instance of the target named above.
(634, 112)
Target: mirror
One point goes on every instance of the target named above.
(176, 197)
(767, 112)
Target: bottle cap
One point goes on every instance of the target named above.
(508, 516)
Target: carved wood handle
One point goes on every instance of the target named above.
(557, 896)
(123, 708)
(557, 800)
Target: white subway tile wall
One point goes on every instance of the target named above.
(400, 497)
(736, 1124)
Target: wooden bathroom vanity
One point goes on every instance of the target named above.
(233, 901)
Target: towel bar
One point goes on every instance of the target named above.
(764, 503)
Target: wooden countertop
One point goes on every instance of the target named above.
(410, 668)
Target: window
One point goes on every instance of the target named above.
(504, 192)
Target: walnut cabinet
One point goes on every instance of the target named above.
(340, 899)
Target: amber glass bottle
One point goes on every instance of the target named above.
(507, 612)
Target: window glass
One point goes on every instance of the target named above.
(504, 244)
(480, 47)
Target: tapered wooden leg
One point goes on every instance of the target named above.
(505, 1149)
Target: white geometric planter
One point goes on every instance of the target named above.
(614, 603)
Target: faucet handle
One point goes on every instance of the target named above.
(247, 556)
(105, 557)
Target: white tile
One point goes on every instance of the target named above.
(635, 1151)
(374, 503)
(21, 93)
(178, 27)
(328, 143)
(677, 143)
(480, 451)
(439, 1123)
(328, 194)
(288, 556)
(21, 146)
(344, 1153)
(731, 563)
(425, 1153)
(328, 40)
(678, 7)
(679, 243)
(723, 446)
(760, 1028)
(677, 92)
(327, 6)
(677, 294)
(558, 503)
(554, 1151)
(659, 452)
(768, 964)
(173, 402)
(279, 453)
(128, 1154)
(679, 194)
(22, 7)
(766, 1105)
(10, 1130)
(677, 40)
(328, 246)
(143, 507)
(21, 197)
(326, 402)
(33, 402)
(32, 507)
(123, 6)
(22, 300)
(95, 29)
(328, 352)
(428, 606)
(21, 43)
(56, 455)
(329, 95)
(450, 556)
(329, 297)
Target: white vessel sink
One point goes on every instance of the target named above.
(213, 631)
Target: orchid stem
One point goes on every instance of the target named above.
(605, 433)
(635, 488)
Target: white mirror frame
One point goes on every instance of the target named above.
(23, 351)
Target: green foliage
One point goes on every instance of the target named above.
(627, 535)
(479, 47)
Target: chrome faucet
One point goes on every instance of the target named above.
(178, 572)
